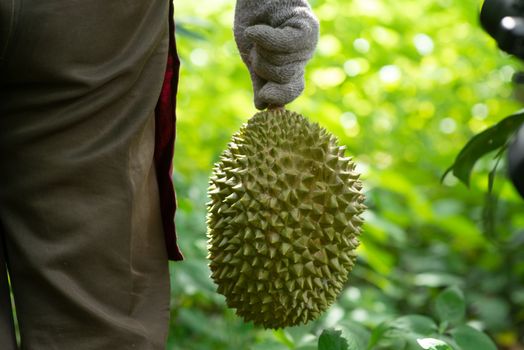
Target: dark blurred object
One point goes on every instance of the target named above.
(504, 21)
(518, 87)
(516, 161)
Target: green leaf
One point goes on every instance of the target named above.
(270, 345)
(481, 144)
(377, 334)
(417, 324)
(468, 338)
(310, 347)
(392, 342)
(353, 344)
(433, 344)
(356, 334)
(331, 339)
(183, 31)
(450, 305)
(489, 211)
(283, 337)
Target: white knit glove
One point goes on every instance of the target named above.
(275, 38)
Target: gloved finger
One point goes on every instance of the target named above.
(283, 59)
(279, 94)
(258, 83)
(295, 35)
(270, 72)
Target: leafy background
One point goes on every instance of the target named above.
(404, 85)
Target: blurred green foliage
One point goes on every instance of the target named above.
(404, 85)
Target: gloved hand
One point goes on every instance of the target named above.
(275, 38)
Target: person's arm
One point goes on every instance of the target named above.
(275, 38)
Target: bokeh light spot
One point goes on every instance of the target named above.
(424, 44)
(328, 45)
(390, 74)
(361, 45)
(480, 111)
(328, 77)
(448, 125)
(199, 57)
(349, 122)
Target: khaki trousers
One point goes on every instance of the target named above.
(80, 227)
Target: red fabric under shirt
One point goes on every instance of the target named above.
(165, 132)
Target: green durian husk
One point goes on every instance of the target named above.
(283, 220)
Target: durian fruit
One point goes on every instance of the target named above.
(283, 220)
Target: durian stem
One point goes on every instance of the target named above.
(275, 108)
